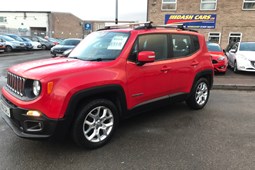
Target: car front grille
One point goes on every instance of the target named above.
(16, 84)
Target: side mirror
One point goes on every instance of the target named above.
(145, 57)
(232, 51)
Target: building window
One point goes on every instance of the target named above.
(3, 19)
(214, 37)
(248, 4)
(169, 5)
(100, 26)
(208, 5)
(234, 37)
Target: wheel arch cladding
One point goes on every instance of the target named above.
(114, 93)
(208, 74)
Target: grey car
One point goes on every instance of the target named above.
(46, 45)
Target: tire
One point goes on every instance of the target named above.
(53, 55)
(44, 47)
(235, 69)
(95, 124)
(199, 94)
(8, 49)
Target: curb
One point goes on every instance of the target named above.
(233, 87)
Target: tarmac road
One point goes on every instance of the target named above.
(221, 136)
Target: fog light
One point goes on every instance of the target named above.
(34, 113)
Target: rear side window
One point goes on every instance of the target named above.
(184, 45)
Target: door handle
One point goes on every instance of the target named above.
(165, 69)
(194, 63)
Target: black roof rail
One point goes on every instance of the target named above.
(146, 25)
(177, 26)
(138, 25)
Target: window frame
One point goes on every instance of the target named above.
(136, 42)
(170, 45)
(208, 38)
(247, 9)
(229, 36)
(208, 2)
(192, 46)
(163, 3)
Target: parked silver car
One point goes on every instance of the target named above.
(12, 44)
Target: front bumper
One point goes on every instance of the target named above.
(27, 126)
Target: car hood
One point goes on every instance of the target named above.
(53, 67)
(250, 55)
(216, 54)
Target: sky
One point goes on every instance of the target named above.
(128, 10)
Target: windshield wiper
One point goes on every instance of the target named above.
(101, 59)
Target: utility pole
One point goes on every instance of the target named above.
(116, 15)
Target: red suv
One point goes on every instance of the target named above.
(110, 74)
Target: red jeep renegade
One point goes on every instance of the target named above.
(111, 73)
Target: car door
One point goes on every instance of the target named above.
(232, 54)
(184, 60)
(149, 82)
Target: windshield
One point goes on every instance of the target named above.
(6, 38)
(99, 46)
(42, 39)
(26, 39)
(70, 42)
(15, 38)
(214, 47)
(247, 46)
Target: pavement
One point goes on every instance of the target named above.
(234, 81)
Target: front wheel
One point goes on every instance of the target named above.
(95, 124)
(8, 49)
(235, 68)
(199, 94)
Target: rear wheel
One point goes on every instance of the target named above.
(199, 94)
(95, 124)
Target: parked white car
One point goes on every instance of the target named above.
(241, 56)
(36, 45)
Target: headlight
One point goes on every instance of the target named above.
(36, 88)
(221, 58)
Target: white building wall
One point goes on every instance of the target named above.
(24, 20)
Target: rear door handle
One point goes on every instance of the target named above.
(165, 69)
(194, 63)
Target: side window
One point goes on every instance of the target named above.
(184, 45)
(154, 42)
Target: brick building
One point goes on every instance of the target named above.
(221, 21)
(42, 23)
